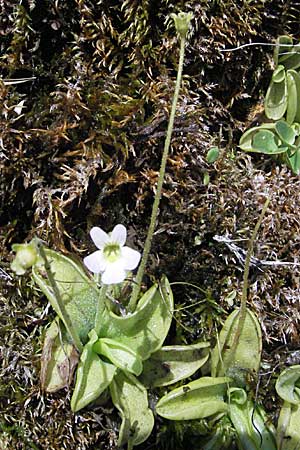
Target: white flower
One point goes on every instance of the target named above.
(112, 259)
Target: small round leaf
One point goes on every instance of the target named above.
(212, 155)
(278, 74)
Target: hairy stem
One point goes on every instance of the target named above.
(243, 307)
(101, 304)
(66, 318)
(154, 214)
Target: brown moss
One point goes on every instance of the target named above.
(86, 150)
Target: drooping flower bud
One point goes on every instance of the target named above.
(26, 257)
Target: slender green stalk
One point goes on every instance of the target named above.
(66, 318)
(243, 307)
(141, 270)
(101, 304)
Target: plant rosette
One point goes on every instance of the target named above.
(288, 388)
(280, 136)
(221, 396)
(124, 356)
(120, 353)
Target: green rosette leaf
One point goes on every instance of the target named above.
(288, 430)
(130, 398)
(288, 385)
(196, 400)
(77, 291)
(246, 358)
(246, 141)
(278, 75)
(251, 424)
(293, 160)
(292, 61)
(277, 95)
(285, 132)
(296, 77)
(93, 376)
(293, 106)
(282, 49)
(174, 363)
(59, 358)
(145, 330)
(119, 354)
(264, 142)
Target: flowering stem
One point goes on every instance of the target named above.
(66, 318)
(140, 273)
(101, 304)
(243, 307)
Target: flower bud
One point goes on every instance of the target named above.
(26, 257)
(182, 23)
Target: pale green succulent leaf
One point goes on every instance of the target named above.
(292, 105)
(93, 376)
(174, 363)
(283, 424)
(246, 359)
(196, 400)
(293, 160)
(293, 108)
(119, 354)
(145, 330)
(246, 141)
(77, 291)
(130, 398)
(288, 385)
(285, 132)
(292, 436)
(59, 358)
(283, 49)
(288, 430)
(251, 424)
(264, 142)
(276, 96)
(278, 74)
(293, 59)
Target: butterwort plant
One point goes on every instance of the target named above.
(113, 340)
(279, 136)
(223, 397)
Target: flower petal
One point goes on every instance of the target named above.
(131, 258)
(95, 262)
(99, 237)
(119, 234)
(114, 273)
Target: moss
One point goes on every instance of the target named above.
(85, 151)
